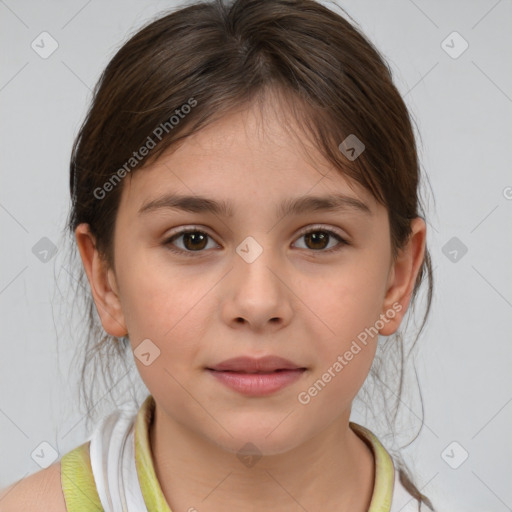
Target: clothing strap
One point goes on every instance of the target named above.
(384, 470)
(112, 452)
(151, 490)
(103, 471)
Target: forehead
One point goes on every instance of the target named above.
(251, 155)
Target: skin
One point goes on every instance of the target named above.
(294, 301)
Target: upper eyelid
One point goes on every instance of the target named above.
(302, 232)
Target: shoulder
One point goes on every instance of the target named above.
(41, 491)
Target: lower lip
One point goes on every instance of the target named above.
(257, 384)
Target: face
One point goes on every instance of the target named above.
(254, 283)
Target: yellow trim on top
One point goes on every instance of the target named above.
(77, 480)
(150, 487)
(384, 470)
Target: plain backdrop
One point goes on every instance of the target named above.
(461, 100)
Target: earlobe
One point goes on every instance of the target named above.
(403, 276)
(102, 282)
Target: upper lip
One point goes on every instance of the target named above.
(255, 365)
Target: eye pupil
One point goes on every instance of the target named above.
(317, 237)
(194, 237)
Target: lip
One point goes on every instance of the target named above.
(257, 384)
(257, 376)
(246, 364)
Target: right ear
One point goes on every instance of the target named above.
(103, 283)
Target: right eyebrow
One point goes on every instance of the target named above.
(193, 204)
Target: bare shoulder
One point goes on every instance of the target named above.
(41, 491)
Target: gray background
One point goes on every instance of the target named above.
(463, 110)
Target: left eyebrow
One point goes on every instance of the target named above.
(300, 205)
(333, 202)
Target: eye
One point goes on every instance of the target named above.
(194, 240)
(318, 238)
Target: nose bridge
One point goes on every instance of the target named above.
(257, 257)
(250, 250)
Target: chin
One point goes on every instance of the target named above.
(251, 440)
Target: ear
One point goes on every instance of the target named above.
(103, 283)
(402, 277)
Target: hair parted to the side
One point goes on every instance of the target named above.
(223, 56)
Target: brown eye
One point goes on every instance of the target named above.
(319, 239)
(193, 240)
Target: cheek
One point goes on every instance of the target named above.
(162, 308)
(347, 301)
(160, 299)
(344, 353)
(165, 308)
(346, 306)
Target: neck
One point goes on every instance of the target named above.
(336, 471)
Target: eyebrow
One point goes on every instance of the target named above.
(305, 204)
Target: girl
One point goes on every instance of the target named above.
(245, 205)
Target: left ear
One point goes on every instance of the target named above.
(402, 277)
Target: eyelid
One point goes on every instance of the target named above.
(195, 227)
(191, 227)
(322, 227)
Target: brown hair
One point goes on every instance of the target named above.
(216, 57)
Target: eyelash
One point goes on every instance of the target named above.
(314, 229)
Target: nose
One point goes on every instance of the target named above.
(257, 292)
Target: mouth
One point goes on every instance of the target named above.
(278, 370)
(253, 365)
(256, 379)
